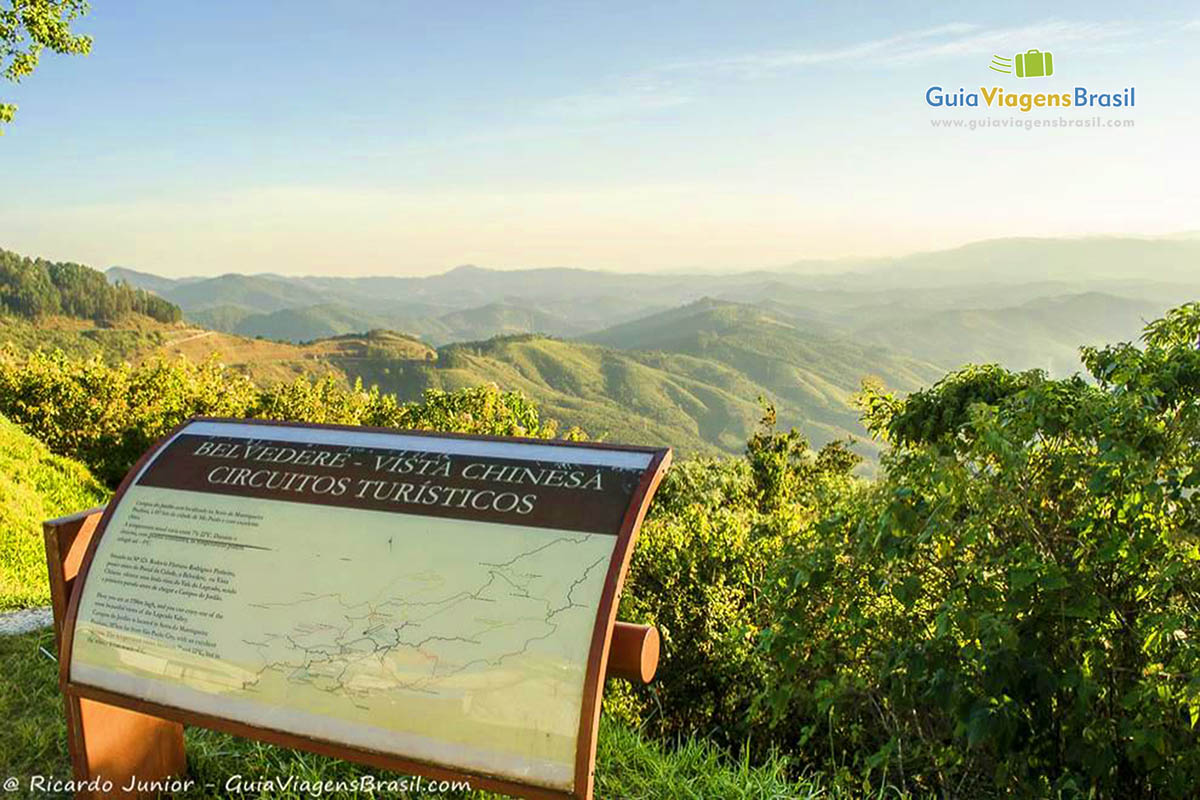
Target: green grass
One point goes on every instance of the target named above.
(33, 742)
(82, 338)
(35, 485)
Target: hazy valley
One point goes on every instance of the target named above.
(679, 359)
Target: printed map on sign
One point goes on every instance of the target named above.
(425, 628)
(312, 597)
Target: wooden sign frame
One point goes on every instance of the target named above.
(115, 736)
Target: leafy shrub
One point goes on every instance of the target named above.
(698, 573)
(1014, 607)
(107, 416)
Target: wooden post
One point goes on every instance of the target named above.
(109, 745)
(633, 653)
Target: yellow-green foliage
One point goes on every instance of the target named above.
(82, 338)
(1013, 609)
(706, 552)
(35, 485)
(106, 416)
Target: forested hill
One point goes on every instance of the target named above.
(34, 287)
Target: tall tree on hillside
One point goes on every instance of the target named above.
(27, 27)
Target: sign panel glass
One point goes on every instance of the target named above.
(428, 597)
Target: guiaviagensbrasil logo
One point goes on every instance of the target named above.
(1032, 63)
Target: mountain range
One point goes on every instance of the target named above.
(684, 358)
(471, 302)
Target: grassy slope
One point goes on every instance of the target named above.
(33, 742)
(268, 362)
(84, 338)
(139, 338)
(35, 485)
(698, 402)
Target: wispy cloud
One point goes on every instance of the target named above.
(678, 83)
(943, 41)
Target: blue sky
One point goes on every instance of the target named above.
(405, 138)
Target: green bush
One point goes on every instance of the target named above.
(1013, 607)
(698, 574)
(106, 416)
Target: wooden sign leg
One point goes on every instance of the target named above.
(114, 752)
(120, 753)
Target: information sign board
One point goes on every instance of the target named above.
(442, 600)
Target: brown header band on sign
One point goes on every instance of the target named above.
(565, 496)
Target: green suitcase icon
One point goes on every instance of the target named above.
(1034, 64)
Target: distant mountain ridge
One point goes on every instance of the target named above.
(1044, 333)
(566, 302)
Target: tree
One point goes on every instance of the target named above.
(29, 26)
